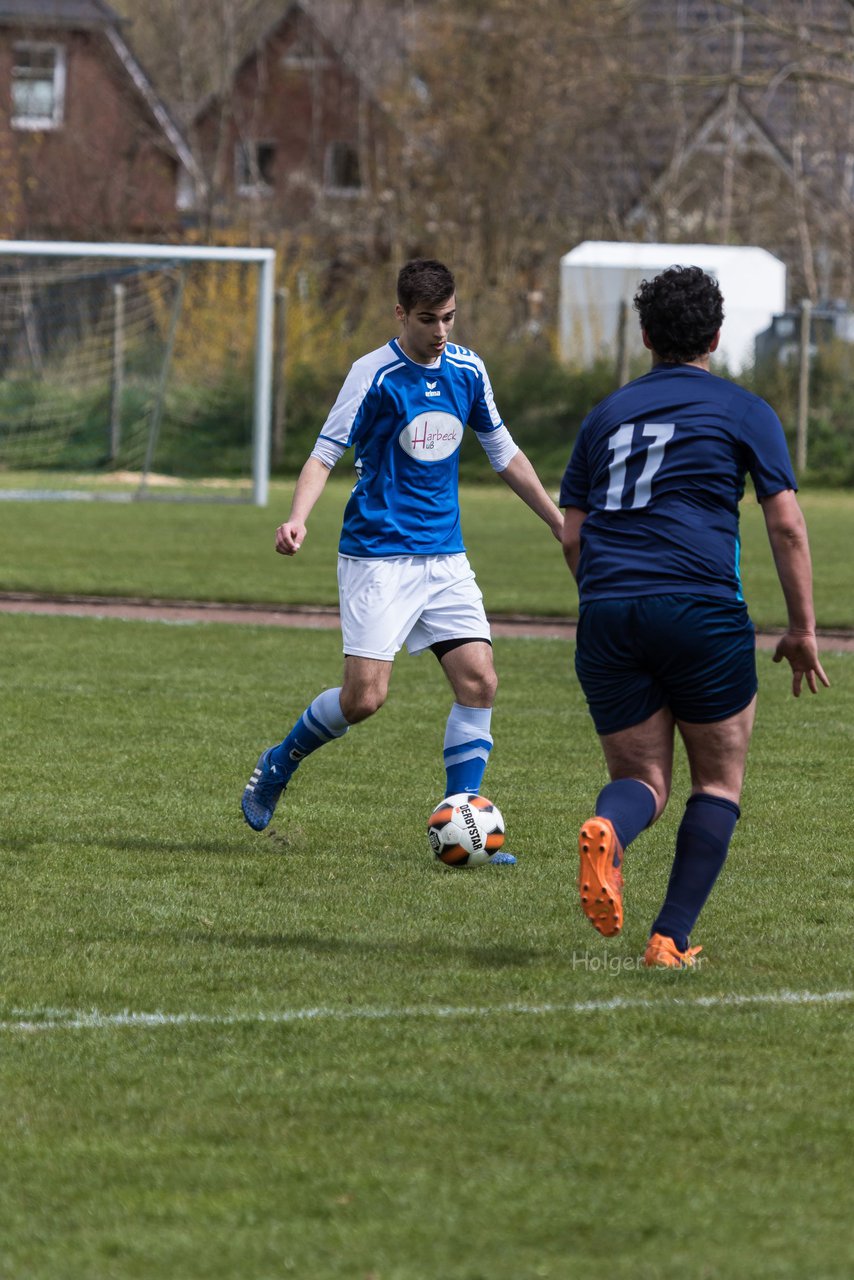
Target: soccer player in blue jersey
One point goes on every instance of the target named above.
(403, 575)
(664, 642)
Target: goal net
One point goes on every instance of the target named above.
(131, 371)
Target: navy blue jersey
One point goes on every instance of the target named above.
(660, 467)
(406, 422)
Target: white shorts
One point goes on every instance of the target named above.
(411, 600)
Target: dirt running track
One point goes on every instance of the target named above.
(319, 618)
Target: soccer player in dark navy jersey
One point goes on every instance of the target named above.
(403, 575)
(665, 643)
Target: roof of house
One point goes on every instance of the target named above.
(59, 13)
(268, 17)
(154, 102)
(79, 15)
(367, 37)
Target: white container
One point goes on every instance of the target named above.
(597, 276)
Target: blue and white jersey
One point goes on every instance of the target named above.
(406, 422)
(660, 467)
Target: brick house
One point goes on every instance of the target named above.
(299, 136)
(87, 148)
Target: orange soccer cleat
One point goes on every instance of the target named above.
(600, 879)
(663, 953)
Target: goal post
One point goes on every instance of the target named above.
(180, 257)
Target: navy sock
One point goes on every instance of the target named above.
(628, 805)
(702, 844)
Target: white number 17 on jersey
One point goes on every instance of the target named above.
(620, 444)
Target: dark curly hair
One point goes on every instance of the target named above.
(424, 281)
(681, 311)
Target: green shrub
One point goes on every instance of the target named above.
(544, 402)
(310, 393)
(206, 429)
(830, 435)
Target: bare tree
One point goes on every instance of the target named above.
(525, 125)
(503, 101)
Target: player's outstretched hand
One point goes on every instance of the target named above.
(801, 652)
(289, 538)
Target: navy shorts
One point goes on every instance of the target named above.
(695, 655)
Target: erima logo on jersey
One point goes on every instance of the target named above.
(431, 390)
(431, 436)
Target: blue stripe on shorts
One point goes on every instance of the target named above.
(693, 654)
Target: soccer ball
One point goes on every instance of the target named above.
(465, 830)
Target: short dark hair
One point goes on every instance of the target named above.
(681, 311)
(424, 281)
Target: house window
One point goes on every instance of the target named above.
(343, 173)
(305, 53)
(38, 85)
(254, 162)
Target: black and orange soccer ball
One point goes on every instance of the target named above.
(465, 830)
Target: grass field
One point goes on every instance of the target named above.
(201, 552)
(224, 1055)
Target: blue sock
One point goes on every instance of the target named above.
(628, 805)
(468, 743)
(321, 722)
(702, 843)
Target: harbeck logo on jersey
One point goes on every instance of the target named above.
(431, 390)
(431, 436)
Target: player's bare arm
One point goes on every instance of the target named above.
(573, 519)
(787, 535)
(310, 485)
(521, 477)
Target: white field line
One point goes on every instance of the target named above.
(42, 1020)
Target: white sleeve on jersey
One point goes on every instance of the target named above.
(328, 451)
(367, 372)
(335, 435)
(499, 446)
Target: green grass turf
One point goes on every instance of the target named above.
(203, 552)
(411, 1124)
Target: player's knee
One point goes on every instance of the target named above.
(490, 686)
(654, 781)
(359, 704)
(479, 689)
(661, 798)
(659, 784)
